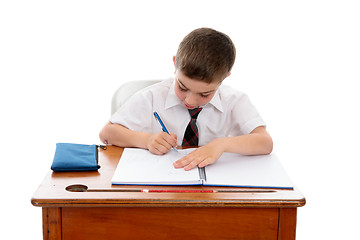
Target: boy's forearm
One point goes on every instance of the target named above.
(119, 135)
(251, 144)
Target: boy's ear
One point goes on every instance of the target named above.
(174, 63)
(226, 76)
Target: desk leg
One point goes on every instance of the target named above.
(51, 223)
(287, 223)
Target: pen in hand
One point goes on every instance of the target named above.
(157, 117)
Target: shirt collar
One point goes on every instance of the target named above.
(216, 101)
(172, 100)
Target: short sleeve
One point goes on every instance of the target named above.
(244, 116)
(136, 113)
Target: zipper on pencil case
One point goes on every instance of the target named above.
(103, 147)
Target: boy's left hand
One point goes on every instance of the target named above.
(200, 157)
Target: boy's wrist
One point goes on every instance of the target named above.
(146, 139)
(219, 143)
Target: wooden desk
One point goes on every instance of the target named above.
(106, 213)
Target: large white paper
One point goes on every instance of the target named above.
(140, 167)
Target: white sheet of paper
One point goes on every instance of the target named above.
(247, 171)
(139, 166)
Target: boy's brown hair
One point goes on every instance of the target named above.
(205, 54)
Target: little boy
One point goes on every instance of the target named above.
(194, 106)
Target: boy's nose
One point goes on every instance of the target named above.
(190, 99)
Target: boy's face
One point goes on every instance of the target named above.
(194, 93)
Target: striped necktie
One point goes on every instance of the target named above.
(191, 136)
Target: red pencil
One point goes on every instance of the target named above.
(176, 191)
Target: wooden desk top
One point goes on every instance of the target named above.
(53, 191)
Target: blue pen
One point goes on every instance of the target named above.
(157, 117)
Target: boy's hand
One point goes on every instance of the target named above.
(200, 157)
(160, 143)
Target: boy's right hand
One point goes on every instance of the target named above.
(161, 143)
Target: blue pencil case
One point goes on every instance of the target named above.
(72, 157)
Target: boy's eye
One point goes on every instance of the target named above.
(204, 95)
(182, 89)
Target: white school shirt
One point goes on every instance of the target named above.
(229, 113)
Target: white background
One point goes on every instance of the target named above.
(61, 61)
